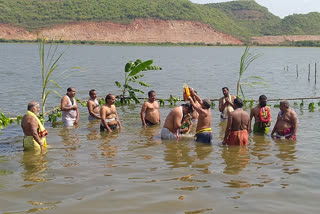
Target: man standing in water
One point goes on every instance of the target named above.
(109, 115)
(262, 116)
(238, 125)
(150, 114)
(226, 103)
(172, 123)
(203, 131)
(34, 131)
(287, 122)
(69, 108)
(93, 106)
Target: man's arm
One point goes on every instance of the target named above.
(197, 107)
(64, 103)
(90, 105)
(34, 127)
(78, 115)
(142, 114)
(294, 124)
(103, 113)
(228, 129)
(118, 120)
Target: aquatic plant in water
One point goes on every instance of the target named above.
(132, 75)
(246, 59)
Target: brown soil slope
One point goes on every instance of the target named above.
(139, 31)
(270, 40)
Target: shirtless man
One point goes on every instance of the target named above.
(203, 130)
(69, 108)
(172, 123)
(34, 131)
(93, 106)
(238, 125)
(109, 116)
(226, 103)
(150, 114)
(287, 122)
(262, 108)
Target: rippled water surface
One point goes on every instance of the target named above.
(85, 171)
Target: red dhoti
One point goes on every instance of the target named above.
(238, 138)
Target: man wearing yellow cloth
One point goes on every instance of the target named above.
(203, 130)
(34, 131)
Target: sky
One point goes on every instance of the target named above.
(280, 8)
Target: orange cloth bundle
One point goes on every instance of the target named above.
(186, 92)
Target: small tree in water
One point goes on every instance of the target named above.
(246, 59)
(49, 58)
(132, 70)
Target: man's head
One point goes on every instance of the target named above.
(187, 108)
(263, 100)
(71, 92)
(93, 94)
(225, 91)
(110, 99)
(34, 107)
(206, 104)
(238, 103)
(152, 96)
(284, 105)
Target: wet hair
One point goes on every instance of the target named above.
(225, 88)
(31, 105)
(91, 92)
(69, 89)
(284, 103)
(263, 97)
(108, 97)
(206, 103)
(150, 92)
(188, 106)
(238, 102)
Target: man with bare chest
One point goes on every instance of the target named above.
(109, 116)
(238, 125)
(287, 122)
(150, 114)
(93, 106)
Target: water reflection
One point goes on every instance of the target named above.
(287, 150)
(108, 150)
(203, 151)
(71, 141)
(236, 159)
(35, 166)
(177, 154)
(94, 131)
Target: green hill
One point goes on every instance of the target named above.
(243, 19)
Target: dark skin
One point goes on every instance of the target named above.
(237, 120)
(30, 126)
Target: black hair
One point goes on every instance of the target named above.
(108, 97)
(263, 97)
(150, 92)
(69, 89)
(225, 88)
(91, 91)
(238, 102)
(188, 106)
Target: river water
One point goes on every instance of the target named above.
(85, 171)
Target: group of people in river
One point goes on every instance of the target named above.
(178, 122)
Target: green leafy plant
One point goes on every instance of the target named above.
(5, 121)
(319, 103)
(173, 100)
(276, 105)
(132, 75)
(52, 117)
(161, 102)
(312, 107)
(302, 104)
(49, 57)
(246, 59)
(213, 104)
(295, 104)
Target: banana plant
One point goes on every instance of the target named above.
(246, 59)
(132, 75)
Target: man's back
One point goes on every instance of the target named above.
(28, 124)
(240, 120)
